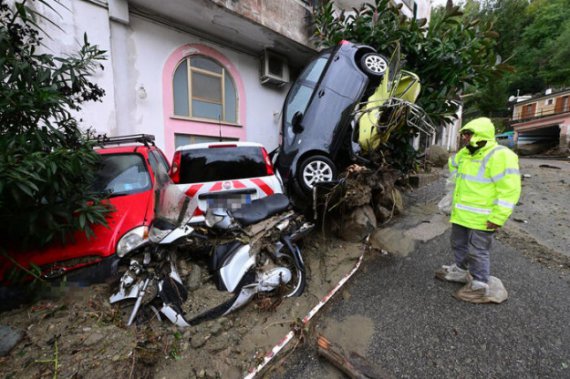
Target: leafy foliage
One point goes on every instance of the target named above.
(46, 161)
(448, 54)
(534, 40)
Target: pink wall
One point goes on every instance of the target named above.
(174, 125)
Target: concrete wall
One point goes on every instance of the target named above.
(92, 18)
(287, 17)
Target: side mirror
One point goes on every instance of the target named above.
(296, 122)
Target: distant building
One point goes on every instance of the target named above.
(543, 119)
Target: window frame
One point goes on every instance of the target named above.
(222, 78)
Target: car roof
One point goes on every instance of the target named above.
(120, 149)
(206, 145)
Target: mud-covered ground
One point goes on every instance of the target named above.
(78, 334)
(543, 212)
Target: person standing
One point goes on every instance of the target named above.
(487, 188)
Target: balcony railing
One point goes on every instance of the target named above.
(523, 115)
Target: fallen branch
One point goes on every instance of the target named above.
(354, 366)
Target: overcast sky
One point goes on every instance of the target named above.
(435, 3)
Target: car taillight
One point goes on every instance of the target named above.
(175, 168)
(268, 164)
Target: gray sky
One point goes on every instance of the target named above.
(438, 2)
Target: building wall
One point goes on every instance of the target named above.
(149, 39)
(137, 52)
(92, 18)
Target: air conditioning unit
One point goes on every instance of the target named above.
(273, 69)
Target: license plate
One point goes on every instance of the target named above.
(231, 202)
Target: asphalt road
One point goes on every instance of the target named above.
(421, 331)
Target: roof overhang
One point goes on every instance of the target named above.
(213, 21)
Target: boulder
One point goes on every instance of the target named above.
(358, 224)
(9, 337)
(382, 214)
(391, 199)
(437, 155)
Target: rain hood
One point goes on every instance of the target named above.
(482, 128)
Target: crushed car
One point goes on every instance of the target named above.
(129, 167)
(318, 111)
(340, 110)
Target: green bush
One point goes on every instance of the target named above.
(46, 161)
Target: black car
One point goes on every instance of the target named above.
(317, 114)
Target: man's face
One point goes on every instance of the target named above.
(466, 137)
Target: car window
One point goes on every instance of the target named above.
(221, 163)
(301, 91)
(159, 167)
(121, 174)
(161, 159)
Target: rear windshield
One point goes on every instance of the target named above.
(121, 174)
(221, 163)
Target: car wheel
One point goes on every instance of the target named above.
(373, 64)
(317, 168)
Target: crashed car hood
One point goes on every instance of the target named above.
(130, 212)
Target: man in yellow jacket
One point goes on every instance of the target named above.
(487, 188)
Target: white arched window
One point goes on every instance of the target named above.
(203, 89)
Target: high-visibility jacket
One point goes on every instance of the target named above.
(487, 183)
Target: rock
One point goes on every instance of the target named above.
(9, 337)
(183, 268)
(392, 240)
(359, 223)
(390, 199)
(218, 345)
(382, 214)
(216, 328)
(93, 339)
(195, 278)
(437, 155)
(199, 339)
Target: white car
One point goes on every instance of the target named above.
(224, 174)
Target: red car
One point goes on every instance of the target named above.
(130, 167)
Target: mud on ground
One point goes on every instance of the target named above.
(78, 334)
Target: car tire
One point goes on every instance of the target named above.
(374, 65)
(314, 169)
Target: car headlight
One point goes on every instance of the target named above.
(131, 239)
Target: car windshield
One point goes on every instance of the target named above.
(221, 163)
(121, 174)
(300, 93)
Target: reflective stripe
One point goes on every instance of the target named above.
(481, 173)
(480, 177)
(473, 209)
(504, 173)
(472, 178)
(453, 162)
(505, 204)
